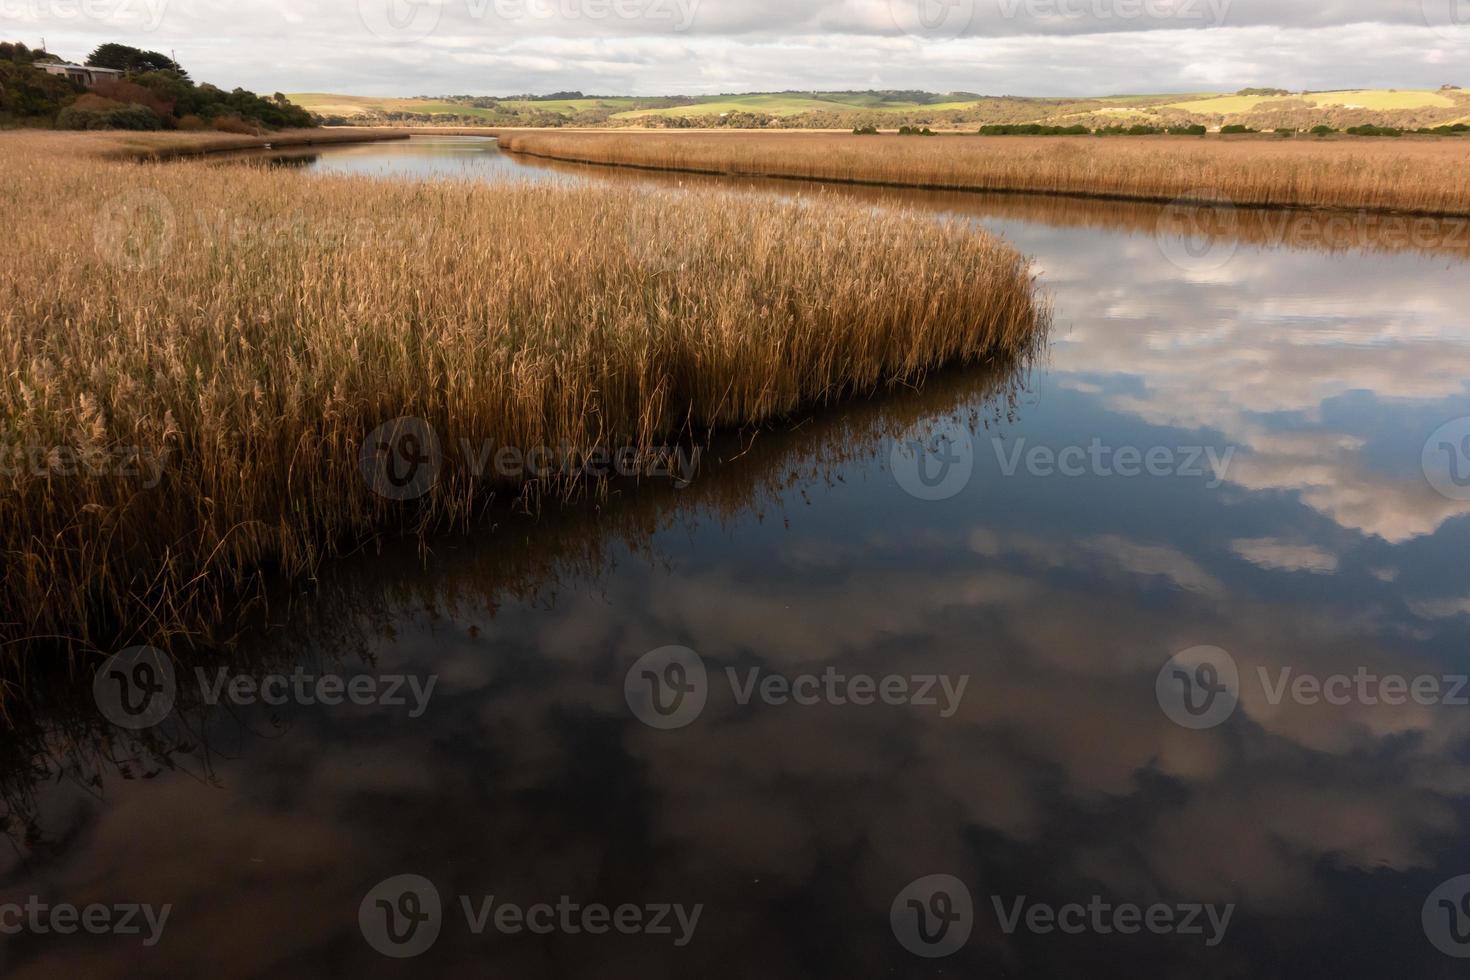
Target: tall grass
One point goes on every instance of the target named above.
(1333, 231)
(1420, 177)
(249, 328)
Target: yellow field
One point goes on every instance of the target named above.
(196, 354)
(1380, 100)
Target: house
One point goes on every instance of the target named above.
(85, 74)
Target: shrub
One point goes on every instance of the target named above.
(233, 124)
(1323, 131)
(865, 131)
(96, 112)
(1374, 131)
(1235, 129)
(1032, 129)
(1195, 130)
(915, 131)
(131, 93)
(30, 94)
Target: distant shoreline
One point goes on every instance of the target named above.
(1422, 178)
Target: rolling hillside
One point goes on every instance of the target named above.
(1409, 108)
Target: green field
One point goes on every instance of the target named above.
(836, 109)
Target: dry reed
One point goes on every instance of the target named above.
(1410, 176)
(231, 334)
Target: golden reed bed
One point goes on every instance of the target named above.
(194, 355)
(1429, 176)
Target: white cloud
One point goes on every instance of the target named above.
(508, 46)
(1279, 555)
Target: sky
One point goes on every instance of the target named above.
(701, 47)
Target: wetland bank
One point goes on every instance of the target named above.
(253, 327)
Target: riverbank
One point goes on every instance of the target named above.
(203, 359)
(1413, 177)
(120, 145)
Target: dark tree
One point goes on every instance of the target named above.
(22, 55)
(121, 57)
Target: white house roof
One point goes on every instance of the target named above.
(68, 66)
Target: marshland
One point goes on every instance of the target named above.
(240, 332)
(1424, 176)
(248, 322)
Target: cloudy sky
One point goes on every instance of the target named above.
(652, 47)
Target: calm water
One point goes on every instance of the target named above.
(1089, 601)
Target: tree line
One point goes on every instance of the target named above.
(153, 93)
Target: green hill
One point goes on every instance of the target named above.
(842, 110)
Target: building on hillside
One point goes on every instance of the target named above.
(85, 74)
